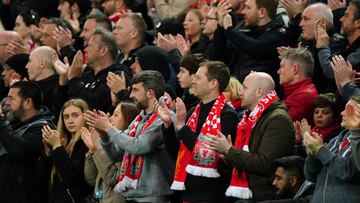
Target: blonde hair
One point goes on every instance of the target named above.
(66, 138)
(235, 88)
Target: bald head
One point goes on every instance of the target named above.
(256, 86)
(5, 38)
(40, 65)
(262, 80)
(321, 10)
(44, 53)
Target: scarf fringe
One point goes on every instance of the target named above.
(177, 185)
(239, 192)
(201, 171)
(126, 183)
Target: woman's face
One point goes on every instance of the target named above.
(21, 28)
(118, 119)
(323, 117)
(192, 25)
(73, 118)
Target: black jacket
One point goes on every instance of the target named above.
(202, 189)
(18, 168)
(93, 89)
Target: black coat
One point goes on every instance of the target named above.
(18, 168)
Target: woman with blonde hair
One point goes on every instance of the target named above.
(102, 171)
(65, 152)
(232, 94)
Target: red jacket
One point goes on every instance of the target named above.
(299, 99)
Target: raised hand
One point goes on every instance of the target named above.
(183, 45)
(321, 36)
(180, 115)
(63, 36)
(343, 71)
(90, 138)
(293, 7)
(76, 67)
(224, 8)
(163, 112)
(166, 43)
(116, 83)
(219, 143)
(336, 4)
(313, 142)
(17, 46)
(99, 121)
(51, 137)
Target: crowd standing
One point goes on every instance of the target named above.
(193, 101)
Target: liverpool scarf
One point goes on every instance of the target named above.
(239, 186)
(131, 165)
(201, 161)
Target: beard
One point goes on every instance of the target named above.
(287, 193)
(142, 105)
(15, 115)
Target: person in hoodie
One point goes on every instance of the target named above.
(20, 143)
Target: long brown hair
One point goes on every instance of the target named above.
(129, 112)
(67, 140)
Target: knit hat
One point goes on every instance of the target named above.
(18, 63)
(154, 58)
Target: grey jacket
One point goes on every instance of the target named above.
(157, 171)
(355, 146)
(102, 173)
(334, 172)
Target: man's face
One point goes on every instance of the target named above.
(286, 72)
(139, 96)
(200, 84)
(347, 21)
(6, 75)
(282, 183)
(33, 67)
(251, 13)
(348, 113)
(92, 50)
(48, 36)
(123, 32)
(308, 22)
(184, 78)
(248, 96)
(89, 27)
(210, 22)
(15, 104)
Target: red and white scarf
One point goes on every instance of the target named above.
(131, 165)
(201, 161)
(239, 186)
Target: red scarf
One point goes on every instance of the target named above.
(323, 133)
(131, 165)
(201, 161)
(239, 186)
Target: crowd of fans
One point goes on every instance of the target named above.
(188, 101)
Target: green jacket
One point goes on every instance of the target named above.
(271, 138)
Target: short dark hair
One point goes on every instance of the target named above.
(30, 90)
(270, 6)
(356, 4)
(30, 17)
(292, 164)
(192, 62)
(151, 79)
(100, 19)
(138, 22)
(327, 100)
(108, 40)
(219, 71)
